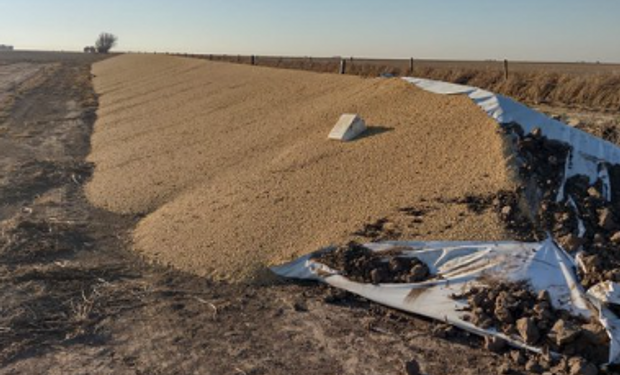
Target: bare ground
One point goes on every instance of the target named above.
(77, 301)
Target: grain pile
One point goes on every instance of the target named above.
(232, 167)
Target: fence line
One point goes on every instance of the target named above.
(338, 65)
(588, 86)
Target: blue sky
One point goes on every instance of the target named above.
(546, 30)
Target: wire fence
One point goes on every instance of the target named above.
(589, 86)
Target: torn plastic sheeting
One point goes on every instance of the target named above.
(589, 152)
(459, 266)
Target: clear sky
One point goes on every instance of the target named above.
(548, 30)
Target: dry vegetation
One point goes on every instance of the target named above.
(587, 86)
(601, 91)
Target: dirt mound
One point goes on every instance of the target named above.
(361, 264)
(512, 308)
(233, 168)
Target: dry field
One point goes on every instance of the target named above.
(585, 86)
(43, 57)
(193, 163)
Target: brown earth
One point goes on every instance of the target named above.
(233, 168)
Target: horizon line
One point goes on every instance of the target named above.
(589, 62)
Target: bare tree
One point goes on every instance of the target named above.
(105, 42)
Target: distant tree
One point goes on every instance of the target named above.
(105, 42)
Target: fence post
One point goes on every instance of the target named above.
(343, 66)
(505, 69)
(411, 66)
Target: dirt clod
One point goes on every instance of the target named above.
(504, 369)
(494, 344)
(594, 192)
(412, 367)
(571, 242)
(578, 366)
(518, 357)
(606, 219)
(528, 330)
(564, 332)
(532, 365)
(615, 238)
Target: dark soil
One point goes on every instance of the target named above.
(541, 165)
(508, 205)
(512, 308)
(361, 264)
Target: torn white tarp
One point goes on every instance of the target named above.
(459, 266)
(589, 153)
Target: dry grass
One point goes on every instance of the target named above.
(47, 299)
(592, 91)
(587, 86)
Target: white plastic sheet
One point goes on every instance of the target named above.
(459, 266)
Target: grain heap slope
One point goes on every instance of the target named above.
(232, 167)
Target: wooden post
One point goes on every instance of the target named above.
(411, 66)
(506, 69)
(343, 66)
